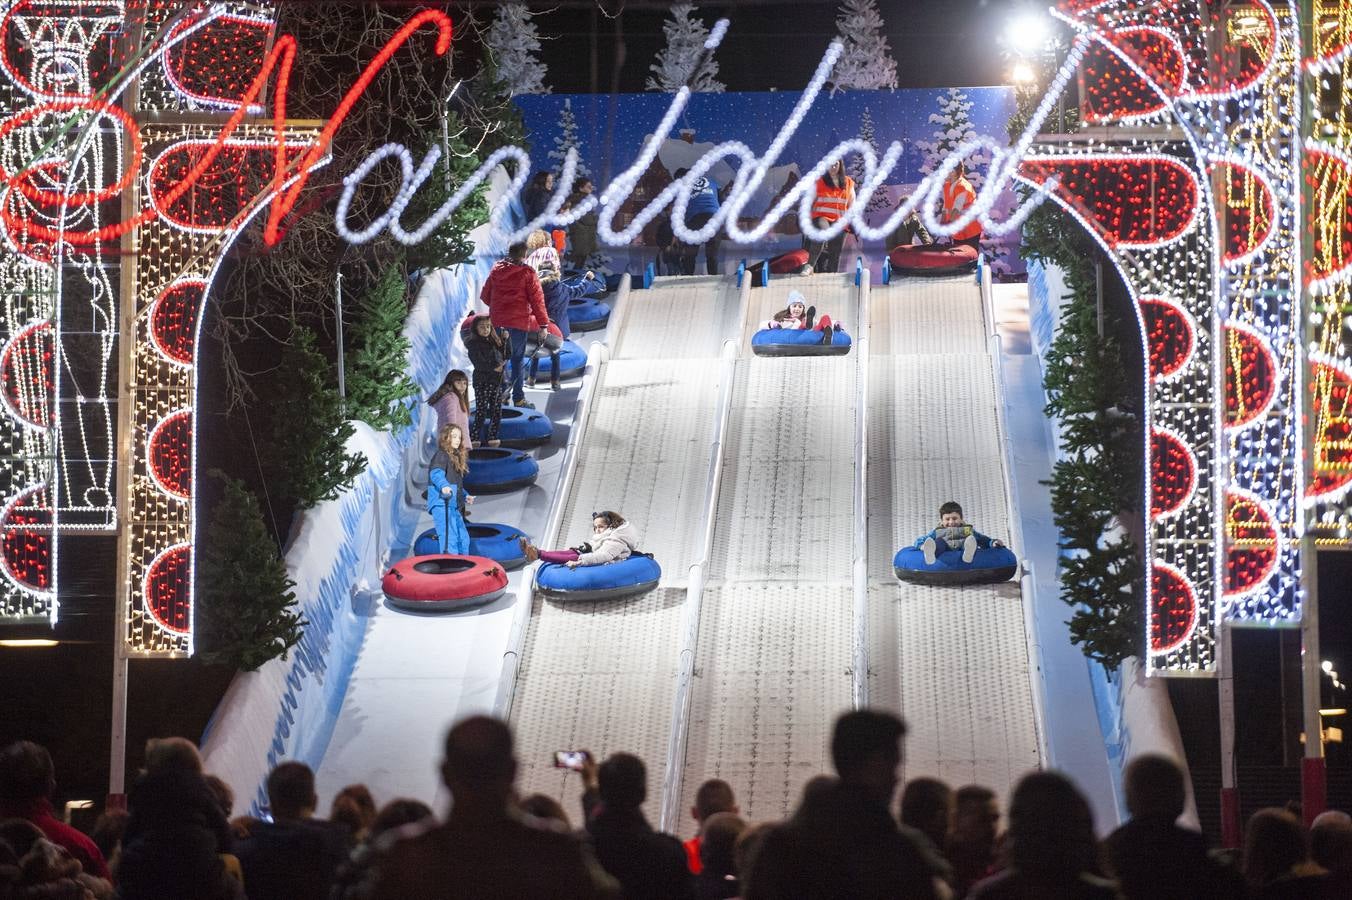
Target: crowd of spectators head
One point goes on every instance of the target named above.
(841, 840)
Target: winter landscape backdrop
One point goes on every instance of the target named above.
(609, 130)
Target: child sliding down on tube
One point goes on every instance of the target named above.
(798, 316)
(953, 534)
(613, 539)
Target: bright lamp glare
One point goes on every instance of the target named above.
(1028, 32)
(1023, 74)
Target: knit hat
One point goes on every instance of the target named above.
(795, 297)
(544, 255)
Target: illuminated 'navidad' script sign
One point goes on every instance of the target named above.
(926, 199)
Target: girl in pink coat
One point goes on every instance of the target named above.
(451, 401)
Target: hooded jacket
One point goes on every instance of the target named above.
(611, 545)
(512, 294)
(485, 357)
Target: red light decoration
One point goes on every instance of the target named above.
(1250, 376)
(169, 453)
(1175, 608)
(1173, 473)
(1170, 336)
(220, 192)
(216, 64)
(26, 374)
(1329, 216)
(281, 57)
(1114, 91)
(26, 540)
(173, 320)
(1131, 201)
(1332, 388)
(1250, 211)
(1251, 543)
(168, 584)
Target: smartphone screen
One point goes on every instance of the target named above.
(570, 759)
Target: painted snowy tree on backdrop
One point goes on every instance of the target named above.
(566, 139)
(867, 63)
(879, 201)
(954, 119)
(512, 42)
(679, 62)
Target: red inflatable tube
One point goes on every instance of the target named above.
(443, 582)
(933, 259)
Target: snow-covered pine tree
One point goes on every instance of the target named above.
(246, 611)
(879, 200)
(567, 138)
(379, 390)
(954, 119)
(867, 63)
(512, 42)
(306, 456)
(676, 63)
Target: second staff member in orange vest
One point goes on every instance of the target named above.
(835, 194)
(959, 195)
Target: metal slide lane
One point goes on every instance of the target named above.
(954, 662)
(600, 676)
(774, 653)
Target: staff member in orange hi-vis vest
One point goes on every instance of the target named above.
(835, 194)
(959, 195)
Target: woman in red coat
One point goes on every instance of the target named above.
(513, 295)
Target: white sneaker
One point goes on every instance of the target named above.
(969, 548)
(927, 548)
(805, 270)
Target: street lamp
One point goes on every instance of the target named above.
(1023, 74)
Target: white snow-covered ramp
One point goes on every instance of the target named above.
(953, 662)
(600, 676)
(774, 653)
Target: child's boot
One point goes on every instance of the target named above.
(928, 549)
(811, 316)
(528, 550)
(969, 549)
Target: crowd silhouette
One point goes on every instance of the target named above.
(177, 840)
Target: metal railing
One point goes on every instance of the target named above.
(859, 654)
(1037, 684)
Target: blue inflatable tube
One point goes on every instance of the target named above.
(587, 314)
(496, 470)
(990, 566)
(571, 359)
(523, 428)
(792, 342)
(500, 543)
(633, 575)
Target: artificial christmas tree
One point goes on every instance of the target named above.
(954, 119)
(679, 63)
(379, 391)
(879, 201)
(512, 42)
(566, 140)
(245, 611)
(306, 456)
(867, 63)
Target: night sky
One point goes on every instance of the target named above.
(936, 43)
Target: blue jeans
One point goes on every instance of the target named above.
(518, 337)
